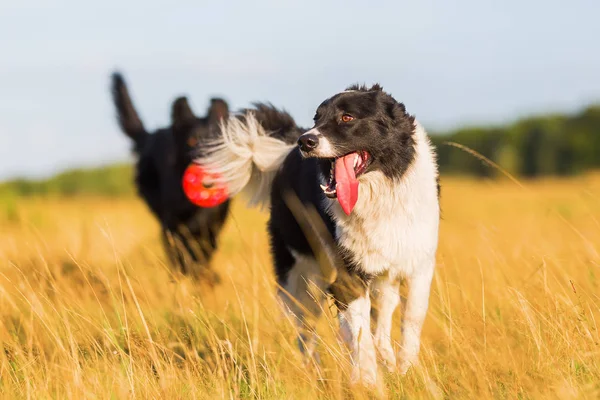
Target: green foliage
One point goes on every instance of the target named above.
(537, 146)
(115, 180)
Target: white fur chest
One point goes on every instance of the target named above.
(394, 225)
(398, 245)
(388, 235)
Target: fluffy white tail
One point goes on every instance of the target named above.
(247, 158)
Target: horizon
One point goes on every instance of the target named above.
(130, 160)
(459, 65)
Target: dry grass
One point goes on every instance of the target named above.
(88, 308)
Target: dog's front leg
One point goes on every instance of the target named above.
(417, 301)
(356, 333)
(386, 297)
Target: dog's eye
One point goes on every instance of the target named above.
(192, 141)
(347, 118)
(316, 117)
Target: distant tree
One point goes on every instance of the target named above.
(543, 145)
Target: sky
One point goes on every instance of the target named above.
(452, 63)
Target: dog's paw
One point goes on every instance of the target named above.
(207, 276)
(363, 377)
(404, 367)
(407, 360)
(369, 381)
(406, 364)
(365, 371)
(386, 355)
(307, 347)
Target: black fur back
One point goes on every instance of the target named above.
(278, 123)
(300, 178)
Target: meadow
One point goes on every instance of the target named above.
(89, 307)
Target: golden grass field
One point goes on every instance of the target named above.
(90, 309)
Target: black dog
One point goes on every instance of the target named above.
(189, 232)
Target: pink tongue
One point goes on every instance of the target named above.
(347, 184)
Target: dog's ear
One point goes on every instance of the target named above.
(218, 110)
(181, 113)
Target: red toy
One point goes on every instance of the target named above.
(203, 188)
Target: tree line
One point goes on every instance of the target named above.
(545, 145)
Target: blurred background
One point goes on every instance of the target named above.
(516, 81)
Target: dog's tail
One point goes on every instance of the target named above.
(127, 116)
(251, 149)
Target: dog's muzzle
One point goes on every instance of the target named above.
(308, 142)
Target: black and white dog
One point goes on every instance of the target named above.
(369, 170)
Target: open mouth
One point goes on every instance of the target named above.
(343, 178)
(360, 161)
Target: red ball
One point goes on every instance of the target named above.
(203, 188)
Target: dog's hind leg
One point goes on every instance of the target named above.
(173, 248)
(194, 253)
(385, 292)
(302, 293)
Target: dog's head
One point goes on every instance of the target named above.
(190, 132)
(356, 132)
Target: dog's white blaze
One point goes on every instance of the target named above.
(356, 332)
(247, 158)
(325, 148)
(393, 229)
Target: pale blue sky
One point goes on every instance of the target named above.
(451, 62)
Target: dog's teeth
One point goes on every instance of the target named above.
(323, 187)
(355, 161)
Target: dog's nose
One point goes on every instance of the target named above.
(308, 142)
